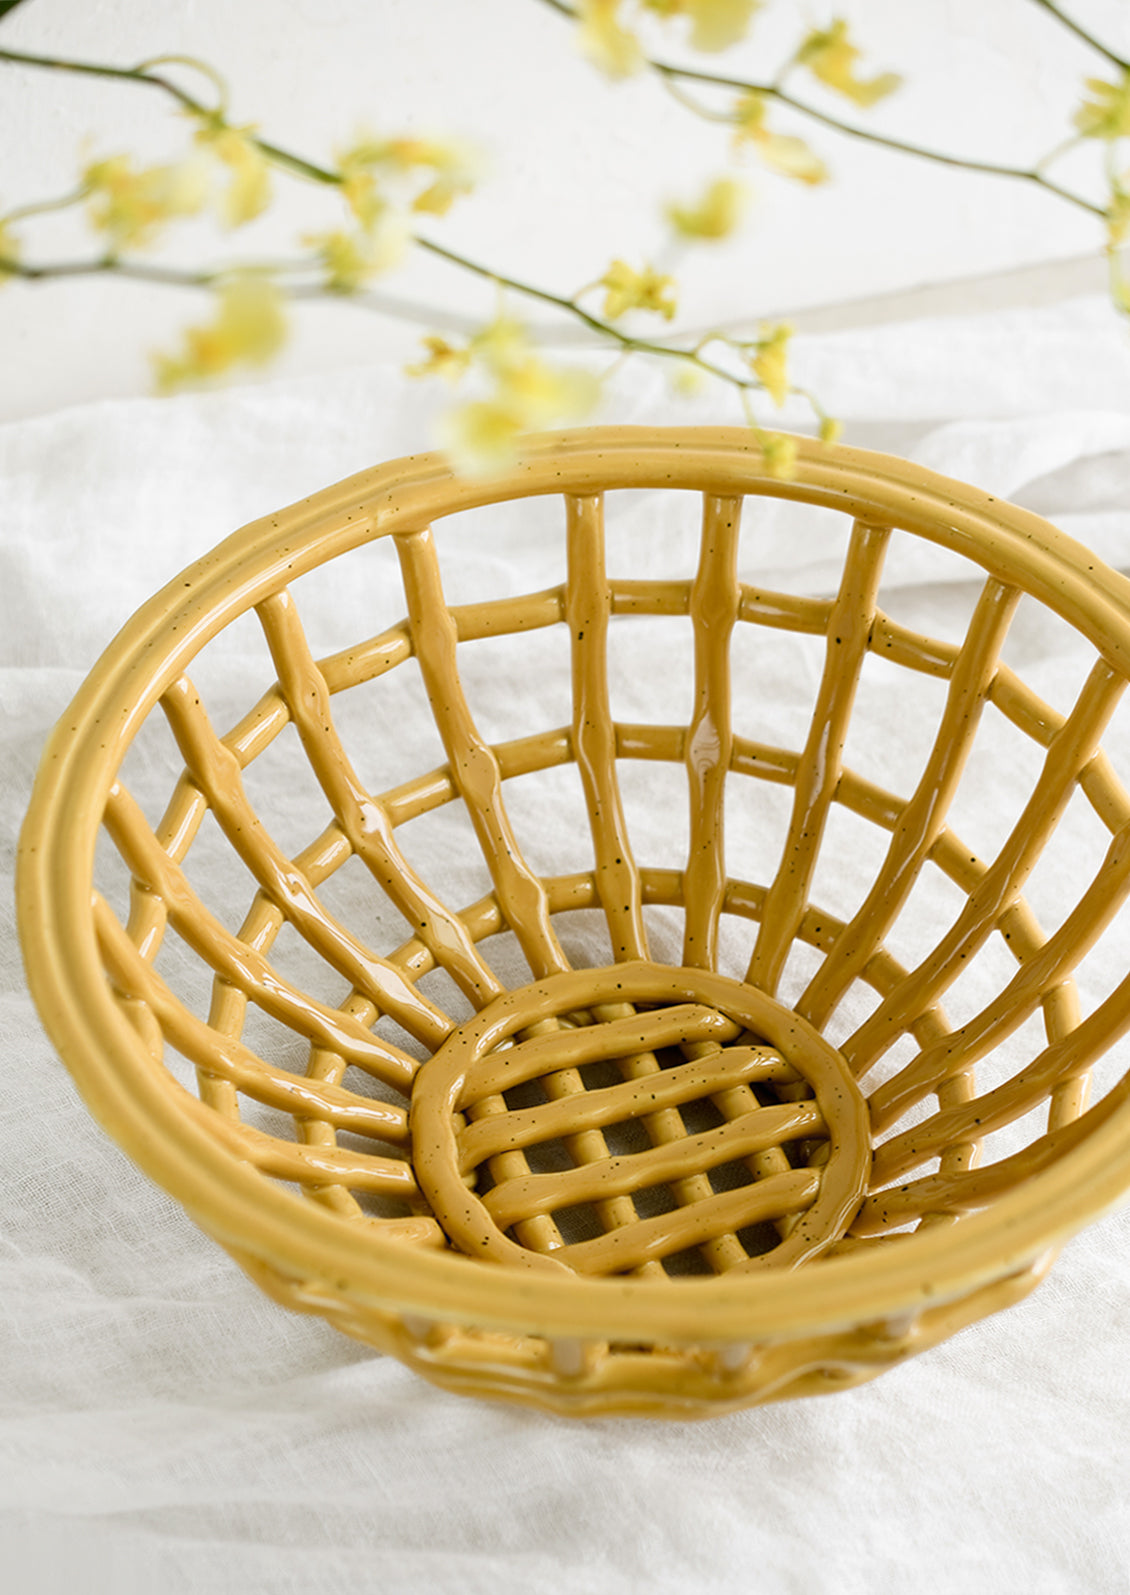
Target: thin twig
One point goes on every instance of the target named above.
(670, 72)
(188, 102)
(177, 277)
(44, 207)
(1077, 29)
(98, 69)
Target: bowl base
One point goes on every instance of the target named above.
(637, 1118)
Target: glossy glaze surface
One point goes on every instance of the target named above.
(643, 1187)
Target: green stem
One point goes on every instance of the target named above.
(570, 307)
(169, 276)
(44, 207)
(143, 271)
(883, 141)
(195, 65)
(98, 69)
(188, 102)
(670, 73)
(1081, 33)
(174, 277)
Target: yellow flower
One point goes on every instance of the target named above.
(779, 453)
(449, 168)
(543, 395)
(249, 192)
(1118, 212)
(482, 435)
(443, 360)
(249, 328)
(605, 40)
(1107, 113)
(350, 259)
(770, 361)
(344, 257)
(501, 346)
(439, 196)
(714, 215)
(687, 380)
(784, 153)
(830, 430)
(829, 54)
(628, 289)
(9, 249)
(132, 207)
(455, 169)
(717, 24)
(360, 192)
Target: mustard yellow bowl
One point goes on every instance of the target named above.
(745, 1070)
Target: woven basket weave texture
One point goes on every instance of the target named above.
(667, 1058)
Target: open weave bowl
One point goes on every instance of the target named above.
(666, 1134)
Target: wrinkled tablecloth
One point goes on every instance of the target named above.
(166, 1428)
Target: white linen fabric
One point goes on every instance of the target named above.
(164, 1427)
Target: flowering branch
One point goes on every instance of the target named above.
(1081, 33)
(386, 184)
(673, 75)
(211, 350)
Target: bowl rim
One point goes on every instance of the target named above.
(165, 1129)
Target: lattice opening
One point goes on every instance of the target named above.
(918, 568)
(1043, 650)
(628, 1137)
(222, 883)
(800, 966)
(757, 823)
(792, 546)
(518, 684)
(150, 767)
(112, 878)
(352, 895)
(774, 677)
(275, 1040)
(584, 938)
(476, 549)
(735, 943)
(369, 717)
(358, 594)
(654, 795)
(852, 1010)
(894, 721)
(921, 627)
(442, 848)
(183, 972)
(579, 1223)
(667, 524)
(730, 1176)
(284, 792)
(1102, 970)
(851, 853)
(501, 951)
(441, 990)
(651, 670)
(550, 819)
(1002, 770)
(1069, 862)
(233, 668)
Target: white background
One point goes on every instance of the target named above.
(577, 167)
(163, 1426)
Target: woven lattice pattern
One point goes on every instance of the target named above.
(663, 1113)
